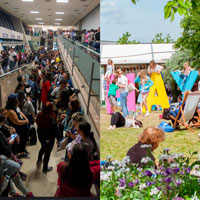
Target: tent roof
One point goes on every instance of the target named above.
(136, 53)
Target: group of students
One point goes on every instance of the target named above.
(144, 82)
(13, 58)
(49, 99)
(90, 38)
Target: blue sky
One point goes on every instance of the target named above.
(142, 20)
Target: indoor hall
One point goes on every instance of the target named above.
(49, 98)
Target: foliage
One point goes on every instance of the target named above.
(125, 39)
(190, 38)
(160, 39)
(183, 7)
(178, 179)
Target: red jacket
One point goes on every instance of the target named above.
(45, 89)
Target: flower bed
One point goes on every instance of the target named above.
(175, 178)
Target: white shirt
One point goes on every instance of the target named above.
(11, 54)
(128, 123)
(156, 69)
(124, 81)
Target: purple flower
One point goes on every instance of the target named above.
(169, 187)
(136, 181)
(168, 179)
(149, 183)
(148, 173)
(176, 170)
(131, 184)
(168, 171)
(188, 170)
(182, 173)
(178, 198)
(159, 188)
(122, 182)
(178, 182)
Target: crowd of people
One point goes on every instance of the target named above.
(13, 58)
(47, 99)
(89, 38)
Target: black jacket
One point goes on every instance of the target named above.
(5, 148)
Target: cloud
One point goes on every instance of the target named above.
(111, 13)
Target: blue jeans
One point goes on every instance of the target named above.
(123, 102)
(9, 167)
(184, 77)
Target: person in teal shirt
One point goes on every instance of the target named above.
(144, 85)
(112, 94)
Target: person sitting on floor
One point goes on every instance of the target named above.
(148, 141)
(76, 178)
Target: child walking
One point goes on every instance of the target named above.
(144, 85)
(112, 95)
(110, 70)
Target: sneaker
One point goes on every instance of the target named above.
(30, 194)
(110, 128)
(147, 114)
(114, 127)
(47, 170)
(17, 195)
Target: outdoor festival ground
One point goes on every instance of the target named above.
(117, 142)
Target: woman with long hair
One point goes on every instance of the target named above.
(144, 85)
(84, 129)
(76, 178)
(47, 132)
(19, 121)
(153, 67)
(148, 141)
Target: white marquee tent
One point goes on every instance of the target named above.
(136, 53)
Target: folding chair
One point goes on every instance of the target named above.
(187, 110)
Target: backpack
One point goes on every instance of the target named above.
(166, 113)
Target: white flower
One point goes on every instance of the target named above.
(174, 165)
(196, 173)
(154, 191)
(108, 157)
(105, 176)
(126, 160)
(145, 160)
(111, 167)
(164, 157)
(142, 186)
(194, 197)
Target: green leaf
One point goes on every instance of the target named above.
(167, 12)
(134, 1)
(172, 17)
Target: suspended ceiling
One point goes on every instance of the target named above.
(74, 11)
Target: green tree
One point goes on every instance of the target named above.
(125, 39)
(190, 38)
(160, 39)
(183, 7)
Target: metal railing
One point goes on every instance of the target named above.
(87, 63)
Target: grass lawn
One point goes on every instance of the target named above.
(117, 142)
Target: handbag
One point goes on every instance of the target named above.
(131, 87)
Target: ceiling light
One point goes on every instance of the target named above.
(34, 12)
(58, 19)
(62, 1)
(41, 23)
(60, 13)
(28, 0)
(38, 18)
(57, 23)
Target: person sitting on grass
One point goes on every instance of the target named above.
(148, 141)
(112, 94)
(117, 121)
